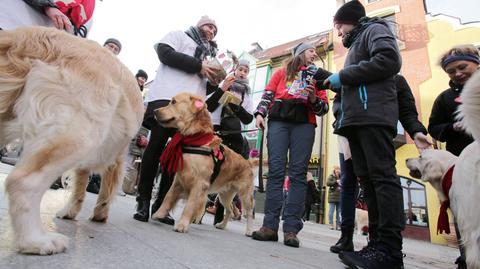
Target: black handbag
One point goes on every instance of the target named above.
(289, 110)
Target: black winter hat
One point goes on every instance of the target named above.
(141, 73)
(113, 41)
(350, 13)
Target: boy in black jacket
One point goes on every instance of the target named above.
(368, 117)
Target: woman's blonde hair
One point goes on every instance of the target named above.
(466, 49)
(292, 65)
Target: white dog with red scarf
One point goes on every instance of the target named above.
(457, 179)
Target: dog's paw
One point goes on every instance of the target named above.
(249, 233)
(46, 244)
(159, 215)
(66, 214)
(221, 225)
(101, 219)
(181, 228)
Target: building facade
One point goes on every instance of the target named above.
(422, 38)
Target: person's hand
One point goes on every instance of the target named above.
(311, 93)
(60, 20)
(457, 126)
(333, 81)
(421, 141)
(227, 83)
(260, 122)
(209, 72)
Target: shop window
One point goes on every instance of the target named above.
(414, 202)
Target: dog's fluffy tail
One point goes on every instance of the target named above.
(470, 108)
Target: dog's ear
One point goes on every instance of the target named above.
(432, 171)
(197, 104)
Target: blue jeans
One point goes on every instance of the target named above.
(331, 209)
(348, 193)
(297, 140)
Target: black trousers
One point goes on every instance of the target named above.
(373, 156)
(308, 210)
(151, 157)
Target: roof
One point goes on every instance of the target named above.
(284, 49)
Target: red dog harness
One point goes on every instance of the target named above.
(443, 225)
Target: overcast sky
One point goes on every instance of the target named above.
(141, 23)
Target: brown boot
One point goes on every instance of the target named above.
(290, 239)
(265, 234)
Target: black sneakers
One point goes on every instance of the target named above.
(372, 257)
(345, 243)
(143, 207)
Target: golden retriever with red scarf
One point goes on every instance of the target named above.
(76, 107)
(192, 181)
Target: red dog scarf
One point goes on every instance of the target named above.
(172, 157)
(443, 225)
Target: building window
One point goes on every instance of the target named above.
(414, 202)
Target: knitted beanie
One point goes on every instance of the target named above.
(207, 20)
(243, 62)
(301, 48)
(350, 13)
(113, 41)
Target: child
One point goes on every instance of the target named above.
(231, 106)
(367, 117)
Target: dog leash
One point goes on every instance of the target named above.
(234, 132)
(260, 166)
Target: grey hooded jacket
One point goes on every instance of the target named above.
(368, 96)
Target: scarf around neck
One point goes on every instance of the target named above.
(172, 156)
(205, 48)
(240, 86)
(363, 23)
(443, 224)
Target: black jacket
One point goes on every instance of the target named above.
(407, 111)
(312, 196)
(368, 90)
(440, 125)
(212, 104)
(40, 5)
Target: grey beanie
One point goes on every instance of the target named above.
(113, 41)
(244, 63)
(301, 48)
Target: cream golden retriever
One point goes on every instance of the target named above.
(361, 220)
(76, 107)
(189, 115)
(465, 189)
